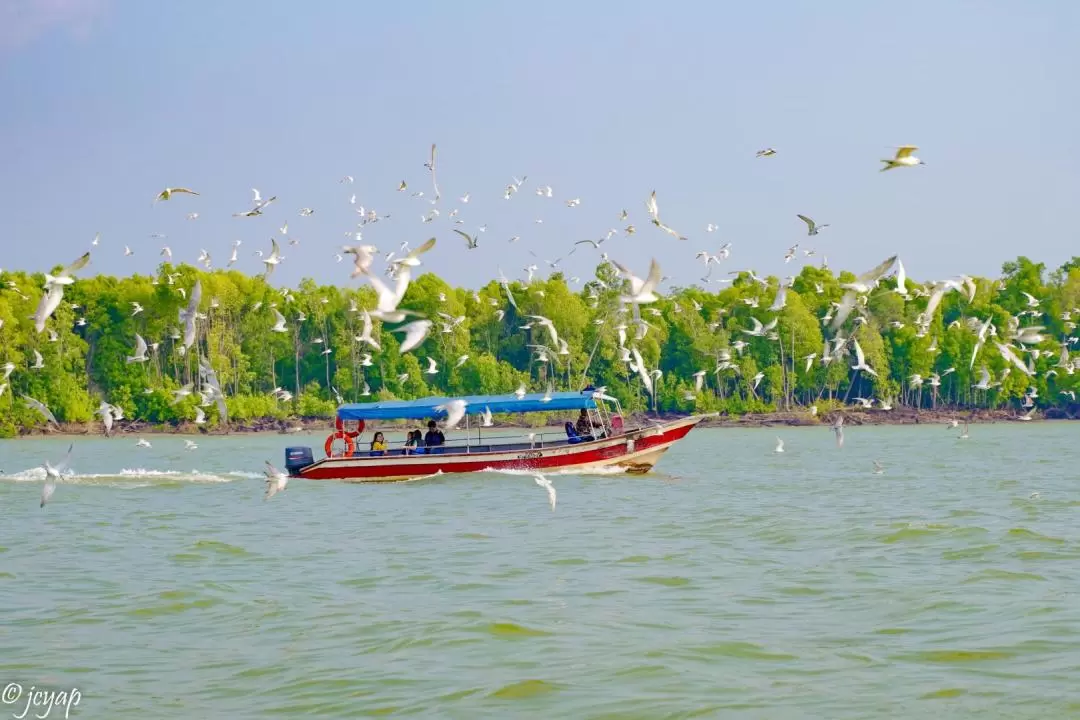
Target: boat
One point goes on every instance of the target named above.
(610, 444)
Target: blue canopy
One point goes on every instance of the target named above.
(425, 407)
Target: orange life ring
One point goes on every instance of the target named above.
(350, 446)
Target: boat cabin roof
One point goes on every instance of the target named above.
(496, 404)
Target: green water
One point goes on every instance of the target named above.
(735, 582)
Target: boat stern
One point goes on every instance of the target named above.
(298, 458)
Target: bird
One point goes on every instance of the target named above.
(39, 362)
(190, 445)
(189, 315)
(182, 393)
(654, 213)
(471, 240)
(167, 193)
(363, 256)
(767, 152)
(838, 430)
(143, 444)
(520, 392)
(642, 292)
(546, 484)
(455, 412)
(430, 165)
(276, 481)
(140, 351)
(812, 228)
(279, 325)
(200, 416)
(904, 158)
(432, 368)
(415, 332)
(860, 360)
(272, 260)
(365, 336)
(699, 380)
(41, 408)
(486, 417)
(779, 446)
(413, 258)
(879, 469)
(54, 475)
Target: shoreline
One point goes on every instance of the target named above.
(857, 417)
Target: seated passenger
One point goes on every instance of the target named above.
(412, 442)
(585, 425)
(434, 437)
(378, 444)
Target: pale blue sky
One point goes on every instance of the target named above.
(106, 102)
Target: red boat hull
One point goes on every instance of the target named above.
(635, 452)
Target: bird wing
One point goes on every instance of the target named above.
(653, 208)
(66, 462)
(640, 366)
(423, 248)
(808, 221)
(465, 235)
(860, 359)
(652, 280)
(41, 408)
(76, 266)
(140, 346)
(876, 273)
(196, 298)
(905, 151)
(415, 332)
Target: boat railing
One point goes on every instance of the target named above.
(472, 444)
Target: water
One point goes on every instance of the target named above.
(733, 583)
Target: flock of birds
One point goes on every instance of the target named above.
(640, 291)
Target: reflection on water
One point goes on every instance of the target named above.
(735, 581)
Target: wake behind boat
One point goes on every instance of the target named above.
(598, 439)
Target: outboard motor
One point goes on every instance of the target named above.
(298, 458)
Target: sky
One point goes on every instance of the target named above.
(103, 103)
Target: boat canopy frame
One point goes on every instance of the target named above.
(434, 407)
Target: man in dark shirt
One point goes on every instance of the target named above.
(434, 435)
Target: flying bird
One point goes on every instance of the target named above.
(41, 408)
(275, 481)
(471, 240)
(54, 475)
(654, 213)
(167, 193)
(415, 332)
(904, 158)
(546, 484)
(140, 351)
(812, 228)
(455, 412)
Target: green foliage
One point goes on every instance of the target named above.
(481, 344)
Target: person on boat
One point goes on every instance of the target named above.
(413, 441)
(434, 436)
(378, 444)
(585, 425)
